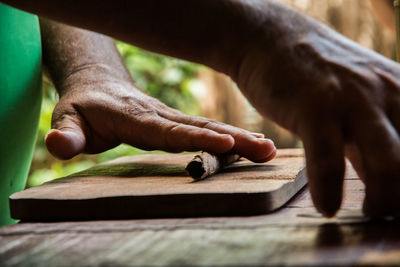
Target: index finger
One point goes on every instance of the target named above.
(324, 149)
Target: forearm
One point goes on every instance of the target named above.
(214, 33)
(68, 51)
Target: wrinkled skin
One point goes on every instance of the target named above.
(100, 108)
(341, 99)
(96, 115)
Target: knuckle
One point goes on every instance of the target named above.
(61, 115)
(208, 124)
(140, 113)
(170, 135)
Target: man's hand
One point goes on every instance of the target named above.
(100, 108)
(98, 112)
(340, 98)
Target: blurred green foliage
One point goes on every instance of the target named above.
(165, 78)
(168, 79)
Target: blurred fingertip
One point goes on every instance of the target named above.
(272, 155)
(328, 209)
(63, 144)
(230, 141)
(268, 158)
(262, 150)
(49, 133)
(376, 212)
(268, 141)
(329, 213)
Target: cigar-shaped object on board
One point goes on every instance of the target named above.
(206, 164)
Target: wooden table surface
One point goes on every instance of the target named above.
(292, 235)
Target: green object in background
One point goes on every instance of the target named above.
(20, 98)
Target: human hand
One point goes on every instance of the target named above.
(98, 112)
(340, 98)
(330, 91)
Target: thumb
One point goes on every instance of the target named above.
(67, 138)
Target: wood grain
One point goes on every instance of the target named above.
(280, 238)
(158, 186)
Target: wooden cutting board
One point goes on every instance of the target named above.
(156, 185)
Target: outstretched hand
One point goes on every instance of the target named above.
(99, 113)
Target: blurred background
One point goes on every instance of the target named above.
(197, 90)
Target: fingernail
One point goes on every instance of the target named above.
(49, 132)
(258, 135)
(266, 140)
